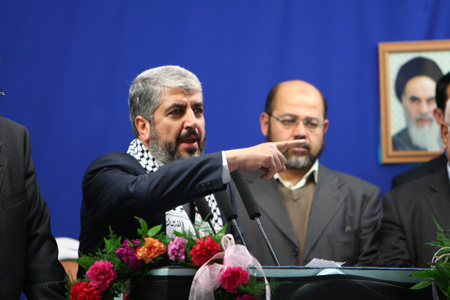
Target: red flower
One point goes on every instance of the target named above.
(233, 277)
(102, 274)
(151, 250)
(83, 290)
(204, 250)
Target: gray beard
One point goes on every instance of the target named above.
(298, 163)
(427, 136)
(166, 152)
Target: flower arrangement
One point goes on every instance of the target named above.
(229, 278)
(439, 275)
(109, 270)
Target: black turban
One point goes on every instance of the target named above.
(418, 66)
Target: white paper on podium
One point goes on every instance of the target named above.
(322, 263)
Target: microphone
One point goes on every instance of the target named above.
(228, 210)
(252, 208)
(205, 211)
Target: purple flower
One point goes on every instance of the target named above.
(177, 249)
(127, 254)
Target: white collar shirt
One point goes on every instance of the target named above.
(314, 171)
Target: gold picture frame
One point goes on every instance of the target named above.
(392, 57)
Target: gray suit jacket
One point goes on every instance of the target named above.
(408, 222)
(343, 225)
(28, 251)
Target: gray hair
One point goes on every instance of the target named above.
(147, 89)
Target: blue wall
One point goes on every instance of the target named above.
(66, 67)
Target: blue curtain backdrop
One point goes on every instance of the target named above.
(66, 67)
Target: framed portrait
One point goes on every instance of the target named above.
(408, 75)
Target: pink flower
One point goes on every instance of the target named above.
(83, 290)
(127, 254)
(247, 297)
(233, 277)
(102, 274)
(176, 249)
(204, 250)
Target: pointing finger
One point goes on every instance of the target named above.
(283, 146)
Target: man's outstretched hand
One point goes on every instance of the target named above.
(267, 157)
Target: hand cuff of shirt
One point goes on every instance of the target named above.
(225, 170)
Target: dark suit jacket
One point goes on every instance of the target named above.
(408, 221)
(28, 251)
(116, 189)
(433, 166)
(343, 224)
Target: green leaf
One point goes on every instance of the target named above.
(421, 274)
(153, 231)
(85, 261)
(421, 285)
(223, 231)
(177, 233)
(144, 227)
(443, 268)
(442, 286)
(440, 279)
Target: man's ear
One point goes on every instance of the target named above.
(444, 134)
(264, 121)
(438, 115)
(326, 123)
(143, 127)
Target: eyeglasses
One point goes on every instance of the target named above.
(1, 93)
(311, 124)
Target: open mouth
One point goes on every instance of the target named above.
(190, 140)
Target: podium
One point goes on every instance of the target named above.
(297, 283)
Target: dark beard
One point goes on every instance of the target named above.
(166, 152)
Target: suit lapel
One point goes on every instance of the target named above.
(271, 204)
(438, 197)
(327, 199)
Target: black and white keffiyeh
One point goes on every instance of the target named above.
(177, 218)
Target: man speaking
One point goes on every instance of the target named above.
(164, 169)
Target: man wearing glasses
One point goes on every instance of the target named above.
(28, 252)
(309, 211)
(410, 212)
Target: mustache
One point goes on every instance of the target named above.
(188, 133)
(425, 116)
(306, 145)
